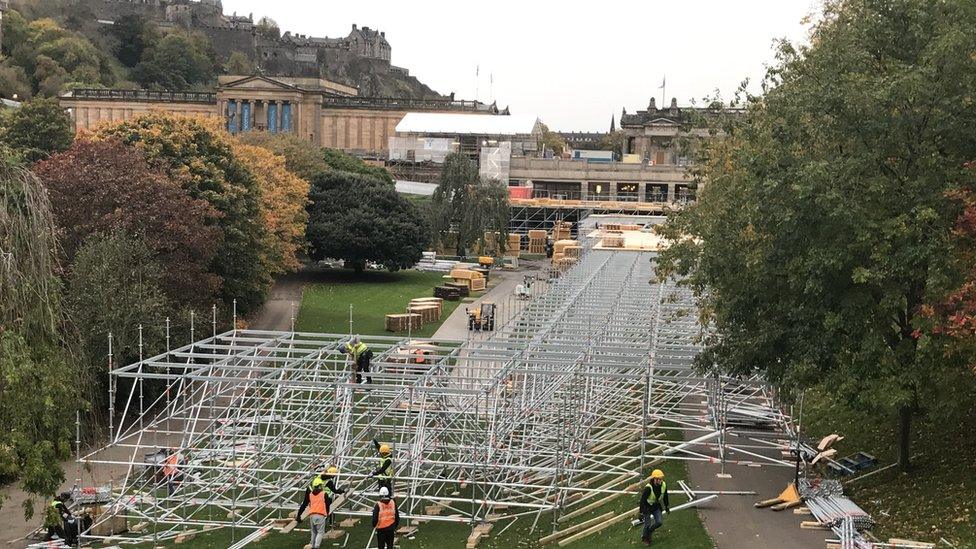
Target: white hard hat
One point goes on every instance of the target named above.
(384, 492)
(355, 339)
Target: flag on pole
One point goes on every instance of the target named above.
(663, 82)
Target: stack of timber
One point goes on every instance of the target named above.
(474, 280)
(403, 322)
(428, 313)
(436, 301)
(537, 241)
(612, 240)
(562, 230)
(449, 292)
(514, 247)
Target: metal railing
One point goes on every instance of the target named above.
(142, 95)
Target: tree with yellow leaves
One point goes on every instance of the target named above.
(284, 196)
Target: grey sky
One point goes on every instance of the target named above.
(571, 64)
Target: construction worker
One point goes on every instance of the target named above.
(171, 471)
(318, 510)
(360, 355)
(56, 519)
(384, 473)
(653, 499)
(386, 519)
(327, 477)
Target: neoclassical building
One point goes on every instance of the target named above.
(325, 112)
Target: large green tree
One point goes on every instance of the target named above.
(100, 187)
(467, 207)
(358, 218)
(40, 389)
(823, 226)
(176, 62)
(198, 154)
(38, 129)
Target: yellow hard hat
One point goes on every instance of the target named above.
(657, 474)
(316, 482)
(332, 471)
(384, 449)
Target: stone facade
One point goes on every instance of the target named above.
(325, 112)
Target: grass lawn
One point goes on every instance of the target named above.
(373, 295)
(937, 499)
(682, 530)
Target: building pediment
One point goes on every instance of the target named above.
(258, 83)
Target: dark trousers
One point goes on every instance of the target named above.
(362, 365)
(384, 538)
(652, 521)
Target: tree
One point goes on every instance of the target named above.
(114, 287)
(345, 162)
(134, 35)
(465, 205)
(14, 81)
(39, 387)
(268, 27)
(197, 153)
(824, 219)
(100, 187)
(302, 157)
(552, 141)
(239, 64)
(39, 128)
(358, 218)
(176, 62)
(283, 199)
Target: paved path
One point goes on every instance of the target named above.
(502, 293)
(733, 522)
(277, 311)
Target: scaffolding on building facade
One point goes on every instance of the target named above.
(567, 403)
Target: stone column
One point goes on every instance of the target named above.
(239, 105)
(278, 109)
(641, 191)
(613, 190)
(671, 193)
(584, 189)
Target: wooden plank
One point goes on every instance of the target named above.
(576, 528)
(599, 527)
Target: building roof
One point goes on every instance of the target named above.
(467, 124)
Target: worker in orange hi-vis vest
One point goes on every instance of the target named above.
(318, 510)
(386, 519)
(171, 471)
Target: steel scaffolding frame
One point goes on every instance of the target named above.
(570, 402)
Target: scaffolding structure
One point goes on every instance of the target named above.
(570, 402)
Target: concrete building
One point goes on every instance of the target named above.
(324, 112)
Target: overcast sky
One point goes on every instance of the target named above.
(571, 64)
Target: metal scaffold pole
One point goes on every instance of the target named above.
(563, 406)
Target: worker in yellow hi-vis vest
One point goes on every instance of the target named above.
(653, 499)
(384, 473)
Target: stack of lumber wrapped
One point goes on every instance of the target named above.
(436, 301)
(428, 313)
(403, 322)
(491, 243)
(562, 230)
(462, 288)
(559, 246)
(474, 280)
(448, 291)
(573, 251)
(612, 240)
(537, 242)
(611, 227)
(514, 245)
(625, 227)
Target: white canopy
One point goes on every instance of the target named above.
(466, 124)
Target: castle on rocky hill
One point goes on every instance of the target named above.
(356, 58)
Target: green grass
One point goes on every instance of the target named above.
(682, 529)
(937, 499)
(373, 295)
